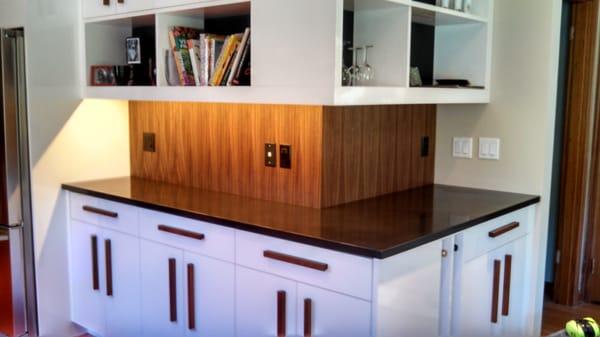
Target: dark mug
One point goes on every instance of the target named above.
(124, 75)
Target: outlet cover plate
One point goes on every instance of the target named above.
(462, 147)
(270, 155)
(489, 148)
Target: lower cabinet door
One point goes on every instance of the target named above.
(477, 299)
(323, 313)
(122, 279)
(512, 306)
(87, 282)
(265, 306)
(162, 290)
(209, 297)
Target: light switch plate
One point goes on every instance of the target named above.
(489, 148)
(462, 147)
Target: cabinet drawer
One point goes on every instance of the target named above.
(495, 233)
(113, 215)
(324, 268)
(190, 235)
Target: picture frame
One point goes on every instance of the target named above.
(103, 75)
(133, 50)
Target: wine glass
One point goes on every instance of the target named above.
(366, 70)
(353, 72)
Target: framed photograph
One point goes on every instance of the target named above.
(134, 52)
(103, 76)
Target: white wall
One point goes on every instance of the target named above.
(12, 13)
(70, 140)
(524, 84)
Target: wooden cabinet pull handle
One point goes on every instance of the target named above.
(121, 1)
(295, 260)
(281, 315)
(506, 289)
(173, 290)
(106, 2)
(503, 230)
(191, 297)
(95, 273)
(109, 273)
(181, 232)
(495, 291)
(307, 317)
(100, 211)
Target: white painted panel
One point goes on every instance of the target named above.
(214, 301)
(349, 274)
(87, 304)
(124, 306)
(155, 290)
(127, 220)
(128, 6)
(333, 314)
(408, 300)
(293, 43)
(218, 240)
(95, 8)
(256, 303)
(387, 29)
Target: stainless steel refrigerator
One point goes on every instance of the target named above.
(17, 288)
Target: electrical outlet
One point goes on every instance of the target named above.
(149, 142)
(270, 155)
(285, 156)
(489, 148)
(462, 147)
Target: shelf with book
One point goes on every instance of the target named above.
(121, 52)
(207, 46)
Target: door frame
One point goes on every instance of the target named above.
(576, 153)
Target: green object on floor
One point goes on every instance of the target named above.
(585, 327)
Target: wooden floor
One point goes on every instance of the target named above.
(555, 316)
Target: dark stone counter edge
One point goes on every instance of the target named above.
(318, 242)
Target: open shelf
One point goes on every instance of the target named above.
(222, 20)
(436, 15)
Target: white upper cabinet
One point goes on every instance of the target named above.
(326, 52)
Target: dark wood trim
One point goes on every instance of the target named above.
(181, 232)
(299, 261)
(308, 317)
(503, 230)
(281, 313)
(100, 211)
(495, 291)
(507, 282)
(173, 290)
(109, 269)
(576, 152)
(191, 296)
(95, 267)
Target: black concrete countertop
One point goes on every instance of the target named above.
(378, 227)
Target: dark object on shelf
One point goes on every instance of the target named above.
(133, 50)
(102, 75)
(453, 82)
(454, 86)
(431, 2)
(422, 51)
(124, 75)
(144, 73)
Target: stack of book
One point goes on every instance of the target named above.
(203, 59)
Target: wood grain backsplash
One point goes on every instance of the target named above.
(339, 154)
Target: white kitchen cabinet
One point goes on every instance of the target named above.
(162, 283)
(265, 304)
(87, 299)
(323, 313)
(99, 8)
(185, 294)
(489, 297)
(96, 8)
(210, 313)
(105, 280)
(409, 296)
